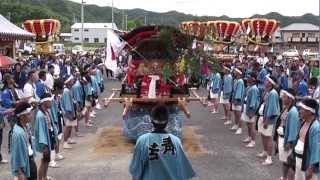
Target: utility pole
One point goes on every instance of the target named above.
(9, 16)
(126, 19)
(82, 21)
(112, 15)
(145, 19)
(122, 19)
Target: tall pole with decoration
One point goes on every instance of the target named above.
(82, 21)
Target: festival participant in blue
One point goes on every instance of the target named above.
(58, 128)
(266, 123)
(284, 81)
(20, 76)
(41, 88)
(23, 166)
(88, 90)
(237, 100)
(66, 69)
(227, 92)
(159, 155)
(44, 135)
(215, 90)
(302, 90)
(250, 107)
(99, 76)
(68, 110)
(9, 99)
(261, 78)
(96, 87)
(286, 133)
(307, 149)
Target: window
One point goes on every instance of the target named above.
(303, 35)
(105, 40)
(76, 39)
(86, 30)
(311, 35)
(76, 30)
(86, 39)
(295, 35)
(96, 40)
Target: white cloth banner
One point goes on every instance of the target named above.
(113, 49)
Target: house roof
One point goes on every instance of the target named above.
(10, 31)
(301, 27)
(94, 26)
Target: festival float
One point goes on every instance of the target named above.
(155, 75)
(258, 33)
(46, 31)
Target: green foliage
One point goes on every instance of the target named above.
(67, 11)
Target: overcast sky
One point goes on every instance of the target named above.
(232, 8)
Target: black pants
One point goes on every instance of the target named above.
(1, 132)
(109, 71)
(33, 169)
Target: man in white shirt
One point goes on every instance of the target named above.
(30, 87)
(56, 66)
(49, 77)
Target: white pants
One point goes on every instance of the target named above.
(283, 155)
(266, 132)
(301, 175)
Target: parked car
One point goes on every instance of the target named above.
(26, 48)
(309, 52)
(290, 53)
(58, 48)
(77, 49)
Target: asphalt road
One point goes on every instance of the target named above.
(226, 157)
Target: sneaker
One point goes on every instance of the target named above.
(98, 106)
(53, 164)
(79, 135)
(227, 123)
(234, 127)
(262, 155)
(72, 141)
(67, 146)
(4, 161)
(267, 162)
(59, 157)
(92, 115)
(89, 124)
(251, 144)
(214, 111)
(246, 140)
(93, 112)
(238, 132)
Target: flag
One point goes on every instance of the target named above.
(113, 48)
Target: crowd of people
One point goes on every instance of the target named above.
(279, 99)
(43, 100)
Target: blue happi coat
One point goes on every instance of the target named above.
(227, 86)
(253, 99)
(311, 153)
(292, 126)
(271, 109)
(53, 113)
(95, 85)
(19, 151)
(41, 132)
(238, 92)
(77, 92)
(160, 156)
(216, 83)
(67, 104)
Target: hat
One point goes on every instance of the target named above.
(22, 108)
(309, 105)
(46, 97)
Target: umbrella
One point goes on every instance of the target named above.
(4, 61)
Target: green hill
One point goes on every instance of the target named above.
(68, 12)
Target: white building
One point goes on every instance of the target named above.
(92, 32)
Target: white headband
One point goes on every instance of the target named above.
(271, 81)
(238, 70)
(226, 68)
(28, 110)
(69, 79)
(159, 122)
(45, 99)
(287, 94)
(302, 105)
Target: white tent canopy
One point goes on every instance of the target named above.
(11, 31)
